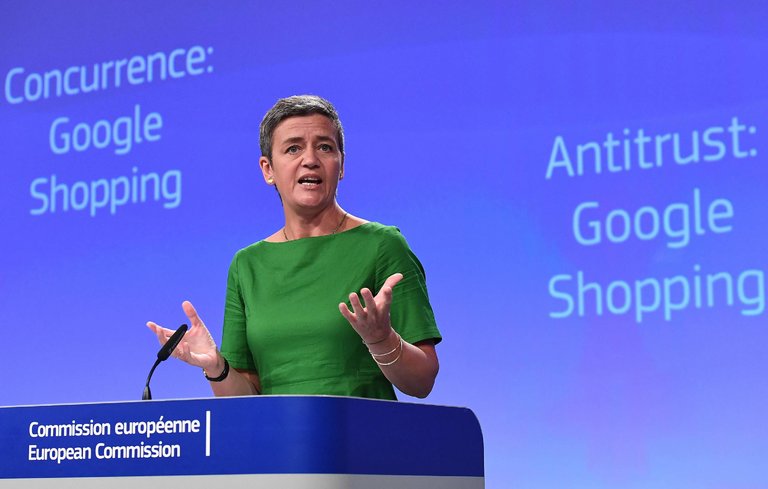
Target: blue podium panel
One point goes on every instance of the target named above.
(315, 441)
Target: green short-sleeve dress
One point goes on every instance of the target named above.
(282, 319)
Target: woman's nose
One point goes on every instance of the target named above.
(310, 159)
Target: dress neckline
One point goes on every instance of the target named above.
(309, 238)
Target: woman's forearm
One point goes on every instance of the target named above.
(410, 368)
(237, 382)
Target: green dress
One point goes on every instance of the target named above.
(282, 319)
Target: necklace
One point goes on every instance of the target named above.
(343, 218)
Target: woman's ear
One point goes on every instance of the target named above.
(266, 170)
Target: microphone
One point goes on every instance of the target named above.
(162, 355)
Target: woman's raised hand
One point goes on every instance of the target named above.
(197, 347)
(372, 321)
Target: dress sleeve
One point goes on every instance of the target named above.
(411, 313)
(234, 341)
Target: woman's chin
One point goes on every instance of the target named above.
(308, 202)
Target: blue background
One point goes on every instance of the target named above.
(450, 110)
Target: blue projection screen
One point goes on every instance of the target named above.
(583, 183)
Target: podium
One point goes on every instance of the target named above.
(288, 442)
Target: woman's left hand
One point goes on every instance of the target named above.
(372, 321)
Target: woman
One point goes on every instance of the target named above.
(287, 327)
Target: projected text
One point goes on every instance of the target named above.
(697, 214)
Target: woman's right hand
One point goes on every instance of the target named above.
(197, 346)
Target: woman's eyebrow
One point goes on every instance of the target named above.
(294, 139)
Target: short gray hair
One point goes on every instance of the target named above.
(297, 105)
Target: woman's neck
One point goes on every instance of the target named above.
(329, 221)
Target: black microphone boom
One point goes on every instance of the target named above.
(162, 355)
(172, 343)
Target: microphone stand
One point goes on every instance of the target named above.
(162, 355)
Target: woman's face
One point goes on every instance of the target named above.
(306, 162)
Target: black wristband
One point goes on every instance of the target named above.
(221, 377)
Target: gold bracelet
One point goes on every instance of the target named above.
(384, 364)
(376, 342)
(393, 350)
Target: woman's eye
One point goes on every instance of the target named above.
(292, 149)
(325, 147)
